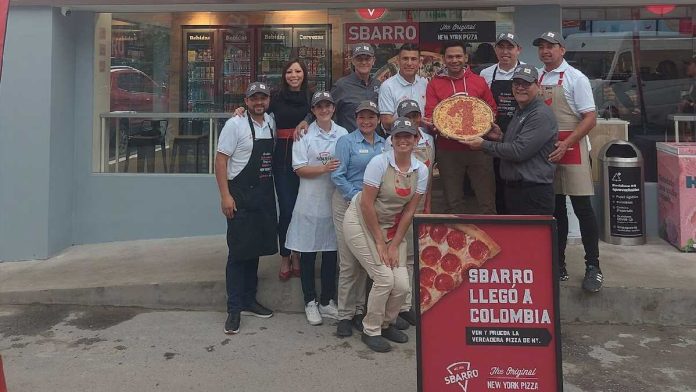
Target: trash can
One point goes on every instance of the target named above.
(622, 194)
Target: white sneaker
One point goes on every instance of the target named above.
(312, 312)
(330, 310)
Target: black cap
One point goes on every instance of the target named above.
(367, 105)
(526, 72)
(509, 37)
(258, 87)
(363, 49)
(321, 96)
(402, 124)
(550, 36)
(407, 106)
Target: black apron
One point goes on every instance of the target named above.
(253, 230)
(502, 93)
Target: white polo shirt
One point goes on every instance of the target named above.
(316, 147)
(236, 141)
(576, 87)
(375, 170)
(397, 89)
(500, 74)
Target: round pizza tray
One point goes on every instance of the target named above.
(462, 117)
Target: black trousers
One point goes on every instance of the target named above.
(588, 227)
(328, 276)
(242, 282)
(529, 199)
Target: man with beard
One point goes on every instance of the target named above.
(456, 160)
(569, 94)
(245, 180)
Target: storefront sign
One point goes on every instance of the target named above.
(625, 202)
(470, 31)
(381, 33)
(488, 304)
(371, 13)
(4, 8)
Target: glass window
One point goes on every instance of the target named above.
(165, 83)
(636, 66)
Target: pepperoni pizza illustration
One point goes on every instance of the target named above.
(447, 252)
(402, 185)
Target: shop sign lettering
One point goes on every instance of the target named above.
(382, 33)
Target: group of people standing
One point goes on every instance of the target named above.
(350, 194)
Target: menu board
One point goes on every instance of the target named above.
(488, 316)
(625, 202)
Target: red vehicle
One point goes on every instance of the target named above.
(133, 90)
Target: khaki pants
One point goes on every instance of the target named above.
(454, 167)
(389, 287)
(352, 278)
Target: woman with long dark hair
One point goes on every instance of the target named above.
(289, 106)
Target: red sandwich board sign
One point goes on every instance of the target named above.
(487, 303)
(4, 9)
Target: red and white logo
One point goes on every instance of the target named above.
(371, 13)
(460, 373)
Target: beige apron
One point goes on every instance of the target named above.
(573, 173)
(396, 190)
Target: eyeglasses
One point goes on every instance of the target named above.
(521, 83)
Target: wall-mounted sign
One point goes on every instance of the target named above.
(469, 31)
(371, 13)
(381, 33)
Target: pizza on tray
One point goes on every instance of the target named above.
(462, 116)
(447, 252)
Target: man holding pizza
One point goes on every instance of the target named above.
(525, 169)
(499, 79)
(567, 91)
(457, 160)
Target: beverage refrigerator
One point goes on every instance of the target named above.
(219, 62)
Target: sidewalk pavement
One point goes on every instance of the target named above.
(652, 283)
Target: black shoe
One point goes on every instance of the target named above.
(232, 323)
(357, 322)
(593, 279)
(562, 274)
(344, 328)
(376, 343)
(409, 316)
(257, 310)
(394, 335)
(401, 324)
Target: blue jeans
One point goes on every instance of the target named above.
(241, 280)
(287, 184)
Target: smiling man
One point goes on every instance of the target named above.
(455, 160)
(405, 85)
(569, 94)
(525, 168)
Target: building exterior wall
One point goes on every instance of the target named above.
(50, 198)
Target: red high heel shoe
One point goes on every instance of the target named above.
(284, 276)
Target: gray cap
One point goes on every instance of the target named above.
(526, 72)
(509, 37)
(550, 36)
(363, 49)
(367, 105)
(402, 124)
(407, 106)
(258, 87)
(321, 96)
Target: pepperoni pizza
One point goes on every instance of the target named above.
(447, 252)
(462, 117)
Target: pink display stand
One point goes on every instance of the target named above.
(676, 178)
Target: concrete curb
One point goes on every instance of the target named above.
(621, 305)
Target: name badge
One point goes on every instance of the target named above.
(364, 151)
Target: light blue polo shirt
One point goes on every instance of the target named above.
(397, 89)
(354, 153)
